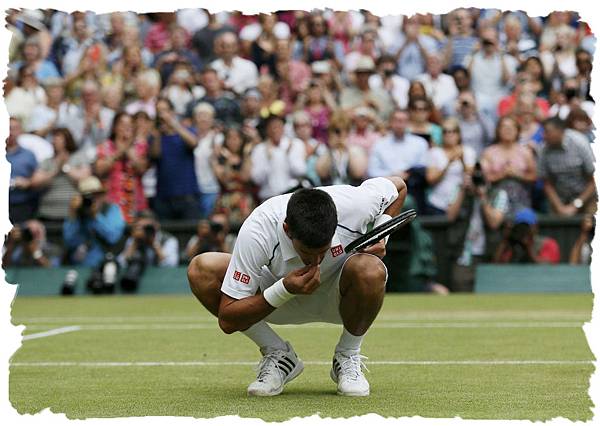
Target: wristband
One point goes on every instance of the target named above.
(277, 294)
(383, 219)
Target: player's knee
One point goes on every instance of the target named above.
(200, 272)
(368, 273)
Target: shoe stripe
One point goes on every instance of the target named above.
(283, 366)
(292, 363)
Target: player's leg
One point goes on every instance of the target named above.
(280, 363)
(362, 289)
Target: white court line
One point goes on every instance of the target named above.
(52, 332)
(376, 325)
(414, 316)
(234, 363)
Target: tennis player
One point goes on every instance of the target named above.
(289, 267)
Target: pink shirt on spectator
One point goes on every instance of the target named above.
(365, 140)
(123, 185)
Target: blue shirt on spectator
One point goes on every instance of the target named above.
(175, 174)
(23, 164)
(392, 155)
(47, 69)
(88, 239)
(462, 46)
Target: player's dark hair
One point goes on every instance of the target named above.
(311, 217)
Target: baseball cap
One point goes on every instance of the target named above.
(525, 215)
(320, 67)
(90, 185)
(33, 18)
(364, 112)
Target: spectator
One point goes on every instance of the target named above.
(533, 67)
(227, 109)
(477, 130)
(523, 244)
(22, 198)
(173, 151)
(179, 88)
(250, 108)
(238, 74)
(510, 166)
(262, 47)
(277, 163)
(203, 39)
(581, 252)
(366, 45)
(121, 161)
(145, 131)
(33, 57)
(359, 94)
(46, 117)
(319, 104)
(147, 87)
(580, 121)
(524, 86)
(461, 41)
(559, 59)
(491, 71)
(158, 37)
(209, 140)
(365, 129)
(93, 227)
(231, 165)
(149, 243)
(416, 90)
(57, 178)
(411, 49)
(293, 75)
(462, 78)
(26, 96)
(528, 114)
(90, 122)
(476, 213)
(319, 45)
(209, 236)
(446, 167)
(314, 149)
(26, 245)
(401, 153)
(583, 61)
(271, 102)
(387, 79)
(341, 164)
(70, 48)
(178, 52)
(566, 164)
(440, 87)
(419, 111)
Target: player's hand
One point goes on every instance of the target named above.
(304, 280)
(377, 249)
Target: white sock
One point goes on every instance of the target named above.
(349, 342)
(264, 336)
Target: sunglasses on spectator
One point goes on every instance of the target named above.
(445, 131)
(337, 131)
(421, 108)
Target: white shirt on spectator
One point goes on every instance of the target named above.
(399, 91)
(442, 193)
(441, 90)
(240, 76)
(40, 147)
(391, 155)
(276, 169)
(207, 181)
(486, 78)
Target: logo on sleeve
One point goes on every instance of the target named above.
(337, 250)
(245, 279)
(237, 275)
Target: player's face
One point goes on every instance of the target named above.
(308, 255)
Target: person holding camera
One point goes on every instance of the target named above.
(149, 243)
(93, 225)
(477, 130)
(476, 213)
(210, 236)
(26, 246)
(521, 242)
(581, 252)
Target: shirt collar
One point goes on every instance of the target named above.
(287, 248)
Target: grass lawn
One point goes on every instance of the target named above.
(473, 356)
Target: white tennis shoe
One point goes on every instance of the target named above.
(346, 371)
(276, 368)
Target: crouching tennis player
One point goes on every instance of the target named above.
(289, 267)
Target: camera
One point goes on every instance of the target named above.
(27, 235)
(133, 273)
(85, 210)
(478, 178)
(487, 43)
(518, 233)
(216, 227)
(149, 232)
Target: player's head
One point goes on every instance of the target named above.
(310, 223)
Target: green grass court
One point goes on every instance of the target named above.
(473, 356)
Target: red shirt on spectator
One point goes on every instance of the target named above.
(507, 103)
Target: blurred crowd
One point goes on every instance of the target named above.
(128, 120)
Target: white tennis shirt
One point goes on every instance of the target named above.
(263, 253)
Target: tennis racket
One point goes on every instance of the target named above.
(380, 232)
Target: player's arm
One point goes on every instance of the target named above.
(395, 208)
(241, 314)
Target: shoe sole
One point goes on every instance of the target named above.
(295, 373)
(339, 392)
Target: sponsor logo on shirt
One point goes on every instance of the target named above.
(245, 279)
(237, 275)
(337, 250)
